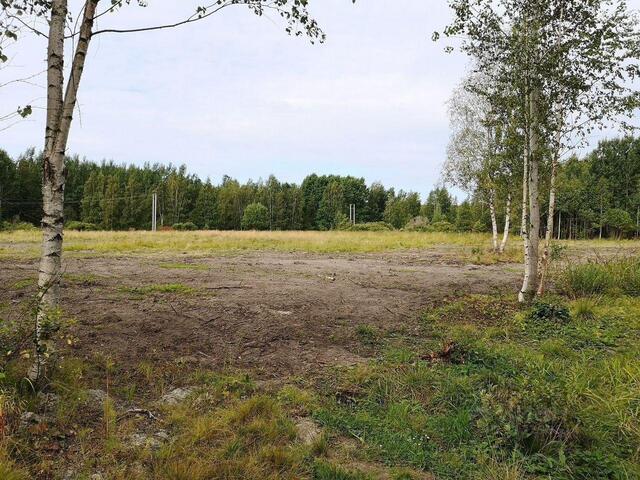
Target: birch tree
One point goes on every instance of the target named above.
(571, 66)
(61, 102)
(475, 153)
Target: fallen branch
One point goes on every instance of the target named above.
(139, 411)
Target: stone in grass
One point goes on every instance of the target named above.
(48, 401)
(29, 418)
(176, 396)
(142, 440)
(308, 431)
(72, 475)
(96, 397)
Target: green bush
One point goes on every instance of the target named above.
(479, 226)
(371, 227)
(417, 224)
(255, 217)
(549, 312)
(442, 226)
(341, 222)
(185, 226)
(80, 226)
(11, 226)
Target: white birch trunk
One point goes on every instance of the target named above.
(559, 223)
(544, 264)
(52, 185)
(532, 240)
(534, 204)
(59, 116)
(507, 224)
(524, 228)
(494, 220)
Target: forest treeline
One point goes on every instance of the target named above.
(598, 195)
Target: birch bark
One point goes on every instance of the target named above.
(534, 204)
(507, 225)
(524, 228)
(494, 220)
(544, 264)
(59, 116)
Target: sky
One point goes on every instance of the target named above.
(235, 95)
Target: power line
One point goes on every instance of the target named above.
(76, 202)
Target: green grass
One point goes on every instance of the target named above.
(177, 288)
(601, 276)
(327, 471)
(81, 278)
(532, 395)
(367, 334)
(25, 283)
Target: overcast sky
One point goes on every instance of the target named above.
(235, 95)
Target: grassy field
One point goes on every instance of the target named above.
(308, 241)
(477, 387)
(467, 246)
(27, 242)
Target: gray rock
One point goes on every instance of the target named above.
(176, 396)
(141, 440)
(30, 418)
(95, 395)
(48, 401)
(308, 431)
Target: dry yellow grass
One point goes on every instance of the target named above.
(471, 246)
(204, 241)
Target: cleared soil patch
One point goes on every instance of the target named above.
(273, 313)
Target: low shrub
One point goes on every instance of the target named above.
(11, 226)
(371, 227)
(417, 224)
(549, 312)
(185, 226)
(479, 226)
(442, 226)
(81, 226)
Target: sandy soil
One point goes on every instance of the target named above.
(276, 314)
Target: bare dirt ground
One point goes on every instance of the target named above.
(276, 314)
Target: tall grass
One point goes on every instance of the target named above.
(471, 245)
(601, 277)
